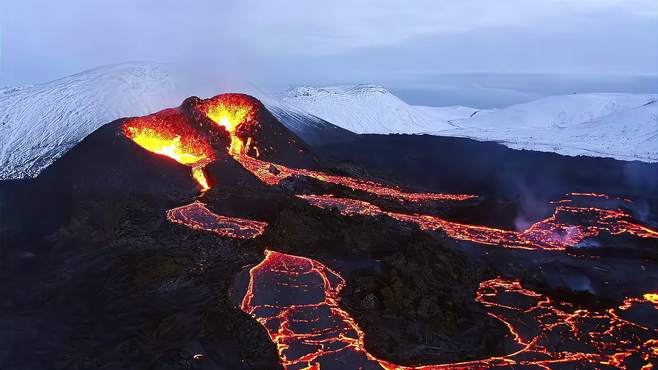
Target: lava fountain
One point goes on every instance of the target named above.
(237, 114)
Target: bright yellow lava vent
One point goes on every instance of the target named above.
(230, 116)
(153, 141)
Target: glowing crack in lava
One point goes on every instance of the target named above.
(297, 299)
(197, 216)
(168, 133)
(557, 232)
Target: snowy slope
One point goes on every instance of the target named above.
(559, 111)
(621, 126)
(367, 109)
(40, 123)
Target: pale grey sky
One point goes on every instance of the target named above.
(410, 46)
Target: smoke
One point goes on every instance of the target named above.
(532, 207)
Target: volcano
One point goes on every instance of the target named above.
(209, 236)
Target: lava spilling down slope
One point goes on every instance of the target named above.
(297, 299)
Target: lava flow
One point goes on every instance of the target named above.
(296, 299)
(197, 216)
(554, 233)
(273, 174)
(168, 133)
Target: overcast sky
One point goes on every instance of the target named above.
(417, 48)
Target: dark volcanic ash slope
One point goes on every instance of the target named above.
(93, 275)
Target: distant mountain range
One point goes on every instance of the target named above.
(41, 122)
(621, 126)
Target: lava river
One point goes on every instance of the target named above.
(554, 233)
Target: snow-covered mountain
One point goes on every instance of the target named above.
(370, 109)
(621, 126)
(39, 123)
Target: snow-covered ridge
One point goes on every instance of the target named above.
(362, 109)
(39, 123)
(621, 126)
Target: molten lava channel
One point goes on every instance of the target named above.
(550, 234)
(198, 216)
(297, 299)
(263, 170)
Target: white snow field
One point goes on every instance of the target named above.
(621, 126)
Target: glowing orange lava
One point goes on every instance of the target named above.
(263, 170)
(237, 115)
(551, 233)
(297, 299)
(197, 216)
(168, 133)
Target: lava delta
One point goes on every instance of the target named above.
(212, 236)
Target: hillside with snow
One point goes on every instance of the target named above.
(370, 109)
(621, 126)
(39, 123)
